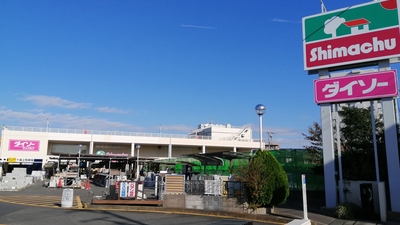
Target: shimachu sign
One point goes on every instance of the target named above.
(357, 34)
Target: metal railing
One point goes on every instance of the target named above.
(99, 132)
(195, 187)
(228, 188)
(118, 133)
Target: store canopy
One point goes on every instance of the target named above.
(215, 158)
(229, 155)
(92, 157)
(206, 159)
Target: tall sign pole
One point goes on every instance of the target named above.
(349, 38)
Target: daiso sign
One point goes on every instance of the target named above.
(356, 87)
(357, 34)
(24, 145)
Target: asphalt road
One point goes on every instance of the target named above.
(15, 214)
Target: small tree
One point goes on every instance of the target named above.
(315, 153)
(265, 180)
(357, 144)
(315, 137)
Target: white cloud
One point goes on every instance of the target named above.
(51, 101)
(28, 117)
(111, 110)
(43, 100)
(34, 119)
(198, 27)
(69, 121)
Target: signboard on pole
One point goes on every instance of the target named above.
(356, 34)
(356, 87)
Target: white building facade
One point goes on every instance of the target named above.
(36, 146)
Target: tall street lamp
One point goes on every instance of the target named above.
(260, 110)
(79, 160)
(137, 162)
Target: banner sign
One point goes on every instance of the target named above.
(357, 34)
(132, 189)
(356, 87)
(123, 189)
(24, 145)
(127, 189)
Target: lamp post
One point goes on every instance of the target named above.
(137, 162)
(260, 110)
(79, 160)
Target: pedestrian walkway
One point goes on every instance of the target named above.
(321, 218)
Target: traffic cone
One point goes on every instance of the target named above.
(59, 183)
(88, 184)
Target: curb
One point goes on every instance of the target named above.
(259, 218)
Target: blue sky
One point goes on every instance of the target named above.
(135, 65)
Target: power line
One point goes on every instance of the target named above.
(270, 136)
(322, 26)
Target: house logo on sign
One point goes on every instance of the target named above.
(357, 26)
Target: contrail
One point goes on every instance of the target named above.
(199, 27)
(285, 21)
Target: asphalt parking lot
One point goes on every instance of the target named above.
(38, 195)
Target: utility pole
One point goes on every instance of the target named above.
(323, 9)
(269, 139)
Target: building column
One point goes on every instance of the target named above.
(91, 147)
(170, 151)
(234, 149)
(133, 149)
(204, 149)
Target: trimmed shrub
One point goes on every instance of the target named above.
(265, 180)
(347, 211)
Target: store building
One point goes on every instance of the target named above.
(32, 147)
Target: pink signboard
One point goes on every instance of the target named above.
(132, 189)
(356, 87)
(127, 189)
(24, 145)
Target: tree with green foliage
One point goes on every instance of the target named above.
(315, 137)
(265, 180)
(315, 154)
(357, 145)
